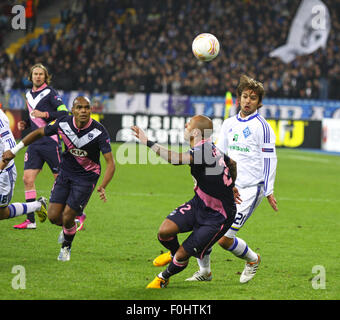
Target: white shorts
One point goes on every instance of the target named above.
(7, 183)
(251, 198)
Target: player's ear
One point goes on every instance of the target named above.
(196, 132)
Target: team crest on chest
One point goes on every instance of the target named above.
(246, 132)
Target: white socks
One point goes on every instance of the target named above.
(204, 264)
(241, 250)
(17, 209)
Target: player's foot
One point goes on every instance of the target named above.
(200, 276)
(61, 237)
(80, 221)
(65, 254)
(42, 213)
(162, 260)
(250, 270)
(26, 225)
(157, 283)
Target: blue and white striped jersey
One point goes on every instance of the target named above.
(250, 142)
(7, 140)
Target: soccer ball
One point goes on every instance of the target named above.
(205, 47)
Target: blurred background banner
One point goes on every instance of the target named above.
(166, 104)
(308, 32)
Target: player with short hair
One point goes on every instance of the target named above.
(44, 105)
(210, 212)
(8, 176)
(250, 141)
(80, 167)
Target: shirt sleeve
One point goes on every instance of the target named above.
(104, 141)
(222, 139)
(51, 129)
(269, 158)
(58, 105)
(7, 136)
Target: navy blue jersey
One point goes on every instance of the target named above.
(45, 99)
(81, 158)
(213, 180)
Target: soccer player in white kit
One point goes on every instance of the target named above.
(249, 140)
(8, 175)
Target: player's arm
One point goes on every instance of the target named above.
(173, 157)
(30, 138)
(232, 165)
(61, 111)
(108, 175)
(269, 164)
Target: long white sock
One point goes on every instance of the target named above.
(204, 264)
(17, 209)
(241, 250)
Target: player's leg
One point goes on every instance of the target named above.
(251, 198)
(30, 197)
(178, 263)
(179, 220)
(52, 158)
(33, 164)
(7, 210)
(78, 197)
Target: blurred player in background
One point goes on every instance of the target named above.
(212, 210)
(8, 175)
(44, 105)
(80, 167)
(250, 141)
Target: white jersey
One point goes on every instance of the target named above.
(7, 140)
(250, 142)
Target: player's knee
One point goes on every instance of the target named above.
(55, 220)
(28, 181)
(182, 256)
(167, 229)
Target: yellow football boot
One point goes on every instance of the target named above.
(157, 283)
(162, 260)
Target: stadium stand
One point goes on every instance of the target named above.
(145, 46)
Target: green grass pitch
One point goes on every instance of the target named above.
(112, 257)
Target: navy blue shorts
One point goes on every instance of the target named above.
(37, 154)
(72, 191)
(207, 226)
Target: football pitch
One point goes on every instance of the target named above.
(112, 257)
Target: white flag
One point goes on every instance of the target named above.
(308, 32)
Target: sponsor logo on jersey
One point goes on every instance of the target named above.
(237, 148)
(78, 152)
(246, 132)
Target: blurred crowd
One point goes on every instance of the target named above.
(145, 46)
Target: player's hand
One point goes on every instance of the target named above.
(21, 125)
(7, 156)
(237, 197)
(272, 202)
(139, 134)
(38, 114)
(102, 195)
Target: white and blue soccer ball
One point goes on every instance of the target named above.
(205, 47)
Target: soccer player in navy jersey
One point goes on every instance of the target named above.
(210, 212)
(80, 167)
(44, 105)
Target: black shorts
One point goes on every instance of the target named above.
(207, 225)
(72, 191)
(37, 154)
